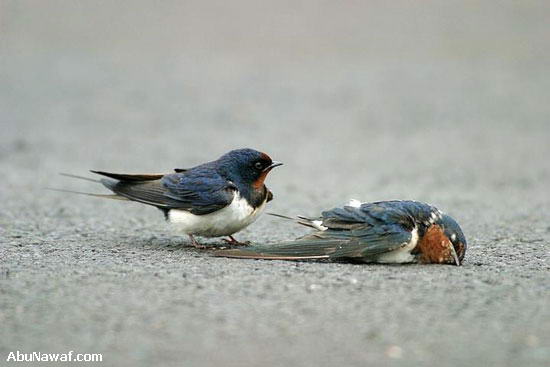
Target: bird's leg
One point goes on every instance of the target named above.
(194, 242)
(232, 241)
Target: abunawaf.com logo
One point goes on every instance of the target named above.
(71, 356)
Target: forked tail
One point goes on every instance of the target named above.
(103, 196)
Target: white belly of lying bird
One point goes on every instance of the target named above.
(403, 254)
(224, 222)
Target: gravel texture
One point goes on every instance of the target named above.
(440, 102)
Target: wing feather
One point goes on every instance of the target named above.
(198, 194)
(331, 244)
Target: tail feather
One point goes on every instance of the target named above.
(130, 177)
(79, 177)
(281, 216)
(304, 221)
(111, 183)
(104, 196)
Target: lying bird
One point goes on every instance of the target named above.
(214, 199)
(382, 232)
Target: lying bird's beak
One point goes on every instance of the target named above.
(273, 165)
(454, 255)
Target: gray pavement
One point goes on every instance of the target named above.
(440, 102)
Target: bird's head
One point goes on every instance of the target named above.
(456, 239)
(247, 166)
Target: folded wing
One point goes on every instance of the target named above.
(198, 194)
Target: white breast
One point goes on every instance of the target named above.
(402, 254)
(223, 222)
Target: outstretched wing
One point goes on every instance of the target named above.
(361, 243)
(350, 232)
(198, 194)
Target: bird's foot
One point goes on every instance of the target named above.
(195, 244)
(233, 242)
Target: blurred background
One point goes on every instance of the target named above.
(177, 82)
(440, 101)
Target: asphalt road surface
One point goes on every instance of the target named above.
(441, 102)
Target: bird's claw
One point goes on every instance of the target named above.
(195, 244)
(233, 242)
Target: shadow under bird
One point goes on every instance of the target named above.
(381, 232)
(214, 199)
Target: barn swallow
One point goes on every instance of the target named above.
(382, 232)
(214, 199)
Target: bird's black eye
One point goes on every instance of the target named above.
(258, 165)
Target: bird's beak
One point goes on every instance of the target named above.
(454, 255)
(272, 165)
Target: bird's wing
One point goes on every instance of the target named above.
(203, 192)
(351, 232)
(360, 243)
(198, 194)
(371, 214)
(399, 210)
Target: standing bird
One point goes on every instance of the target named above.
(214, 199)
(381, 232)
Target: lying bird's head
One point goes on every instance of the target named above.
(443, 242)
